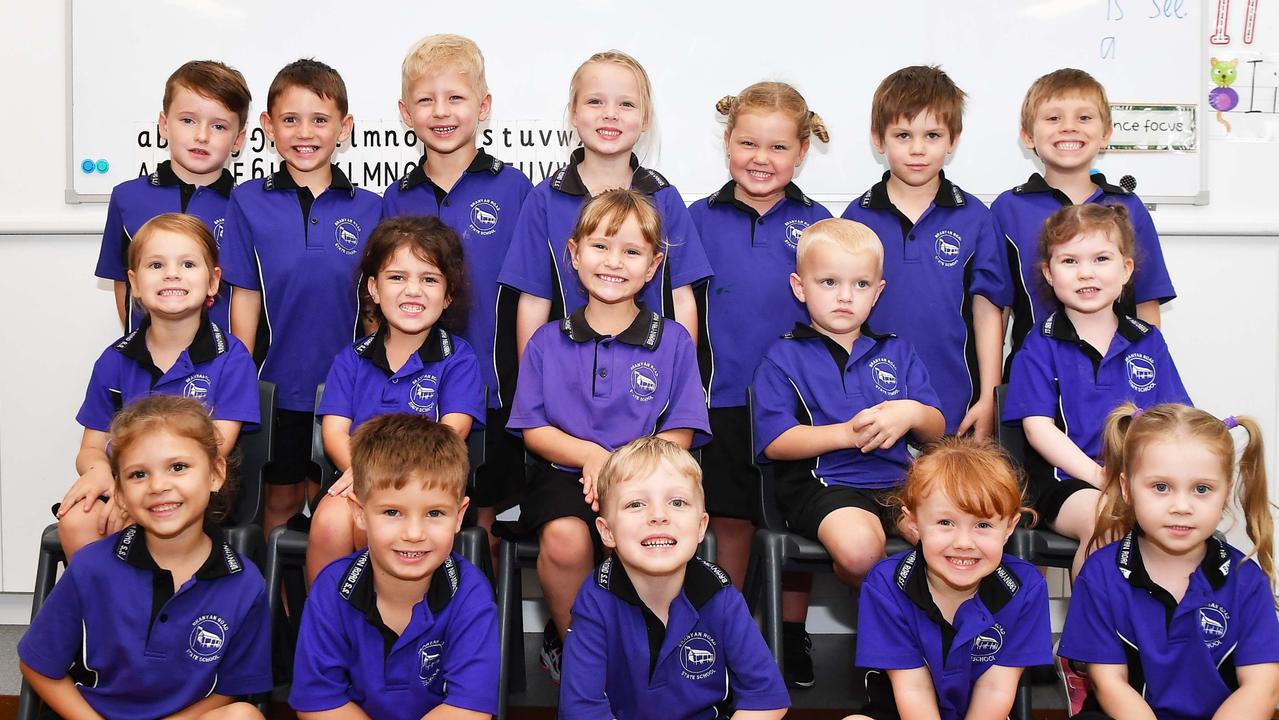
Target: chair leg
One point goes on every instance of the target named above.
(1022, 703)
(274, 573)
(772, 562)
(505, 601)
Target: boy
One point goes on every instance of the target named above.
(299, 271)
(945, 267)
(1065, 120)
(654, 601)
(831, 401)
(405, 628)
(206, 105)
(444, 99)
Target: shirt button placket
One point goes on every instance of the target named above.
(603, 363)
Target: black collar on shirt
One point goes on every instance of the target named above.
(644, 331)
(483, 162)
(437, 346)
(948, 195)
(165, 177)
(356, 587)
(208, 343)
(131, 548)
(1059, 327)
(567, 180)
(1215, 567)
(837, 351)
(1037, 184)
(702, 580)
(728, 194)
(995, 591)
(282, 180)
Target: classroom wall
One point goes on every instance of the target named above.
(1223, 329)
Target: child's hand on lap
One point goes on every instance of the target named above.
(87, 489)
(884, 424)
(590, 472)
(342, 486)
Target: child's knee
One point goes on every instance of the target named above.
(854, 543)
(283, 498)
(234, 711)
(332, 521)
(566, 541)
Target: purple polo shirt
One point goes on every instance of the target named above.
(442, 377)
(610, 389)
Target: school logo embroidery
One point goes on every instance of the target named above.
(1141, 372)
(946, 244)
(884, 373)
(347, 235)
(1213, 621)
(484, 216)
(208, 636)
(218, 227)
(197, 386)
(697, 656)
(428, 657)
(422, 394)
(987, 644)
(794, 230)
(643, 381)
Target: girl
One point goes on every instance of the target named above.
(164, 617)
(1080, 363)
(748, 303)
(414, 270)
(174, 275)
(606, 374)
(611, 108)
(1172, 621)
(953, 622)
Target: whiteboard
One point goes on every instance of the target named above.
(835, 53)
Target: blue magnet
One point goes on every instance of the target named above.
(87, 166)
(103, 166)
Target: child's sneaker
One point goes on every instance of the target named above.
(797, 655)
(552, 651)
(1075, 682)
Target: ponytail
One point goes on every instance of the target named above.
(1253, 498)
(1117, 516)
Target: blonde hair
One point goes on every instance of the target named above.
(973, 474)
(616, 57)
(390, 450)
(611, 208)
(639, 459)
(435, 53)
(849, 235)
(774, 97)
(1129, 431)
(913, 90)
(1060, 83)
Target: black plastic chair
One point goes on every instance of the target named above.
(243, 528)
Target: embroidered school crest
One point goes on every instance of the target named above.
(884, 374)
(484, 216)
(422, 394)
(1141, 372)
(1214, 620)
(643, 381)
(197, 386)
(428, 657)
(208, 637)
(987, 644)
(346, 233)
(697, 655)
(794, 230)
(946, 246)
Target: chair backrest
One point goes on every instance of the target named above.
(256, 450)
(328, 473)
(770, 517)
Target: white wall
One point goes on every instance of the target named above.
(1223, 329)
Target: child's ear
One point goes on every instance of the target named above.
(133, 284)
(803, 151)
(348, 125)
(371, 284)
(404, 115)
(605, 533)
(652, 267)
(215, 280)
(239, 140)
(357, 513)
(486, 106)
(1027, 141)
(910, 522)
(1048, 276)
(267, 127)
(461, 514)
(1128, 269)
(878, 141)
(879, 290)
(572, 251)
(797, 287)
(218, 474)
(1012, 527)
(954, 143)
(701, 527)
(1123, 488)
(163, 124)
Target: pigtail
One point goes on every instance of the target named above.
(724, 106)
(1116, 516)
(819, 126)
(1252, 495)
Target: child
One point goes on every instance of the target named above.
(610, 107)
(1171, 620)
(945, 266)
(411, 364)
(164, 617)
(606, 374)
(176, 350)
(832, 399)
(406, 628)
(751, 226)
(1065, 120)
(444, 98)
(653, 600)
(205, 108)
(299, 272)
(1082, 361)
(953, 622)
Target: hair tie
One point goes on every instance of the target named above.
(1231, 422)
(1137, 413)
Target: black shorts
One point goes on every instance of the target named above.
(805, 502)
(1046, 493)
(729, 479)
(292, 447)
(551, 494)
(499, 480)
(881, 704)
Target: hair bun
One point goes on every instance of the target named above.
(725, 104)
(819, 127)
